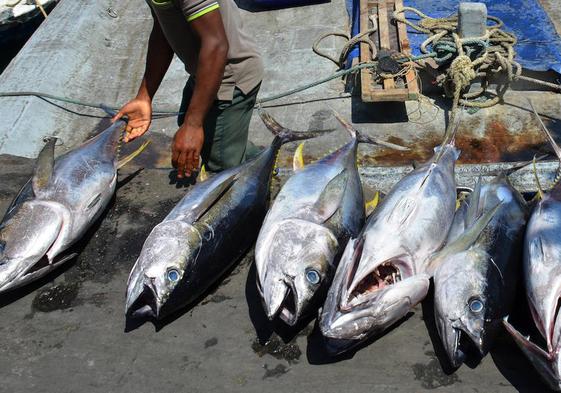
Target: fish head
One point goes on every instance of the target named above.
(25, 238)
(160, 270)
(461, 304)
(363, 302)
(298, 263)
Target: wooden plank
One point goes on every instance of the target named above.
(366, 80)
(390, 95)
(384, 31)
(404, 47)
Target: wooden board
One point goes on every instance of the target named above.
(389, 36)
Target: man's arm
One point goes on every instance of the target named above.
(213, 53)
(158, 59)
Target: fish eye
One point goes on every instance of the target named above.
(313, 276)
(476, 305)
(173, 275)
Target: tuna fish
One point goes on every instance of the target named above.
(57, 206)
(382, 273)
(205, 234)
(542, 276)
(316, 212)
(476, 273)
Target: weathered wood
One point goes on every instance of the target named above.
(392, 38)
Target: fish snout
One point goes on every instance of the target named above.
(273, 296)
(142, 299)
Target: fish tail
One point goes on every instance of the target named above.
(284, 134)
(362, 138)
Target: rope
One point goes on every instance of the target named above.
(351, 42)
(488, 57)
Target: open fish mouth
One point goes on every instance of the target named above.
(384, 275)
(143, 304)
(381, 278)
(288, 310)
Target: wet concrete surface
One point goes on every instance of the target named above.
(67, 332)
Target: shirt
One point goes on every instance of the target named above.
(244, 66)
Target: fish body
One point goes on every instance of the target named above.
(318, 209)
(57, 206)
(382, 273)
(474, 285)
(542, 278)
(205, 234)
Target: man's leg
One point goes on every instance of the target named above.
(228, 126)
(226, 129)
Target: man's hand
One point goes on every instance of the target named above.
(139, 112)
(186, 149)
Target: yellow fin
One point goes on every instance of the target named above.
(371, 205)
(203, 174)
(124, 161)
(540, 190)
(298, 159)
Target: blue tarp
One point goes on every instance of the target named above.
(539, 45)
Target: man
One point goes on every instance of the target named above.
(225, 75)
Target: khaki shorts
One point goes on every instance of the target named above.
(226, 128)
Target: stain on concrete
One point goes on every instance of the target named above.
(496, 144)
(211, 342)
(216, 298)
(431, 375)
(58, 297)
(275, 347)
(280, 369)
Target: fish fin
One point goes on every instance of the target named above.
(107, 109)
(199, 210)
(371, 205)
(540, 193)
(540, 359)
(554, 145)
(466, 239)
(362, 138)
(328, 202)
(63, 259)
(94, 201)
(203, 174)
(473, 203)
(286, 135)
(44, 166)
(298, 159)
(124, 161)
(330, 199)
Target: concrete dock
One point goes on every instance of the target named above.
(67, 332)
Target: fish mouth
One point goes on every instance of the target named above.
(289, 311)
(144, 304)
(386, 274)
(461, 344)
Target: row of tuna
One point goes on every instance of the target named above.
(314, 246)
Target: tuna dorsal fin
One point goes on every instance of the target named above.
(44, 166)
(473, 203)
(197, 211)
(371, 205)
(298, 159)
(203, 174)
(362, 138)
(466, 239)
(125, 160)
(554, 145)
